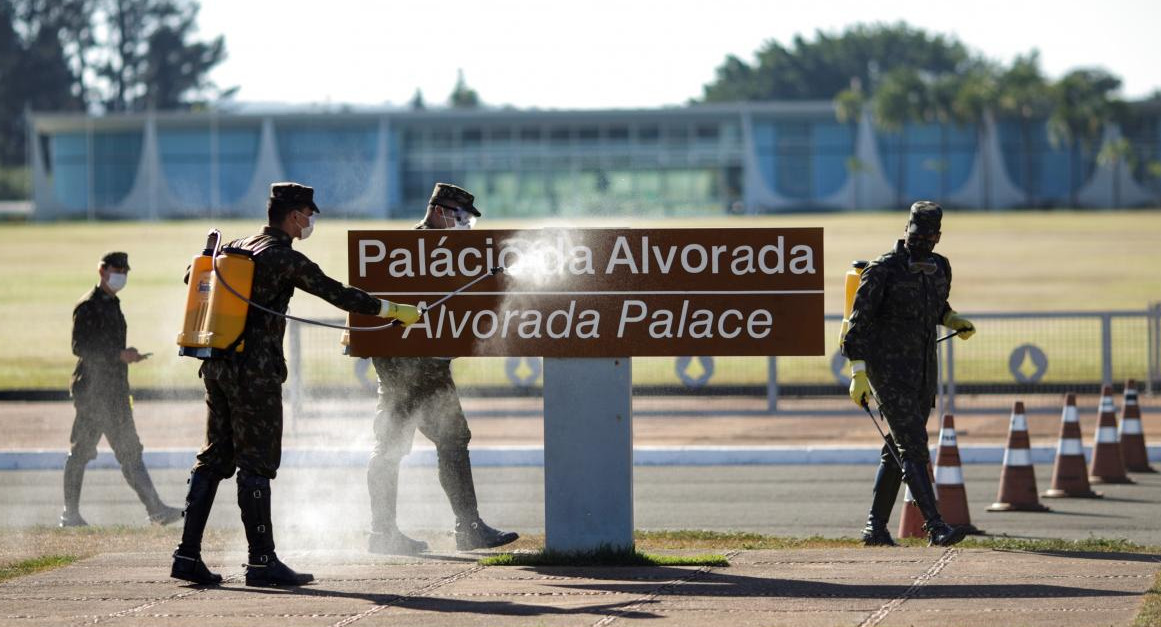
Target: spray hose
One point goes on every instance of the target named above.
(889, 443)
(423, 312)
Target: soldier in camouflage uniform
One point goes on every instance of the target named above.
(244, 390)
(100, 391)
(418, 392)
(900, 301)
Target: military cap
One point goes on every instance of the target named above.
(454, 198)
(116, 260)
(925, 218)
(293, 193)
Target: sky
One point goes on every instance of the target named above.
(599, 54)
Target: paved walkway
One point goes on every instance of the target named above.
(800, 587)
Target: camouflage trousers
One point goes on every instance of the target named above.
(243, 427)
(417, 393)
(111, 417)
(906, 412)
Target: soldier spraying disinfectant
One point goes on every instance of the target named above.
(891, 343)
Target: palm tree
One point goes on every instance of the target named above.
(901, 97)
(1112, 155)
(1022, 92)
(974, 97)
(848, 108)
(1084, 105)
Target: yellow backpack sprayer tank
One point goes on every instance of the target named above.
(850, 285)
(217, 301)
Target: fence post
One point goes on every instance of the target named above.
(294, 390)
(771, 384)
(1153, 326)
(1107, 349)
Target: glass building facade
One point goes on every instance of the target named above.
(698, 160)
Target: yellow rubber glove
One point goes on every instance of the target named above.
(958, 323)
(860, 386)
(406, 314)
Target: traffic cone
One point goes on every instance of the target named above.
(911, 521)
(1133, 448)
(1018, 478)
(949, 486)
(1070, 472)
(1107, 464)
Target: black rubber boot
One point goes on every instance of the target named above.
(475, 534)
(138, 478)
(74, 476)
(264, 568)
(939, 533)
(187, 559)
(394, 542)
(455, 475)
(383, 486)
(887, 481)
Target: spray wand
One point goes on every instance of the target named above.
(439, 303)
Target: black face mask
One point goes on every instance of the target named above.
(919, 247)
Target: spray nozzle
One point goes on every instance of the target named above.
(496, 270)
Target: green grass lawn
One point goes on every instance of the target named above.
(1003, 261)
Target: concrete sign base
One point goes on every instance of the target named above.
(588, 454)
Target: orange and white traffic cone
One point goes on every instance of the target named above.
(911, 520)
(1018, 478)
(1107, 464)
(1070, 472)
(1133, 450)
(949, 486)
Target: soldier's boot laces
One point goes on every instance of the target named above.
(394, 542)
(476, 534)
(194, 570)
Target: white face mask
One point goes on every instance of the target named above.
(308, 229)
(464, 221)
(117, 281)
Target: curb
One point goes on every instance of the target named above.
(529, 456)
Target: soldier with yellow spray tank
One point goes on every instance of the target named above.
(244, 388)
(901, 299)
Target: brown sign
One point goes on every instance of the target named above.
(594, 292)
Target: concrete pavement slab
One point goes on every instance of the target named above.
(905, 586)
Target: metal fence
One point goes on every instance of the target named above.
(1028, 354)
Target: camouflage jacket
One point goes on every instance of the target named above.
(278, 270)
(894, 320)
(98, 338)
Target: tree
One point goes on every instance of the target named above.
(1023, 93)
(417, 103)
(149, 60)
(463, 97)
(1084, 103)
(820, 69)
(1112, 155)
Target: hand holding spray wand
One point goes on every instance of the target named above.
(423, 312)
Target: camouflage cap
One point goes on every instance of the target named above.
(116, 260)
(925, 218)
(454, 197)
(293, 193)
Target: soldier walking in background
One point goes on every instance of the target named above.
(244, 390)
(100, 391)
(418, 392)
(901, 298)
